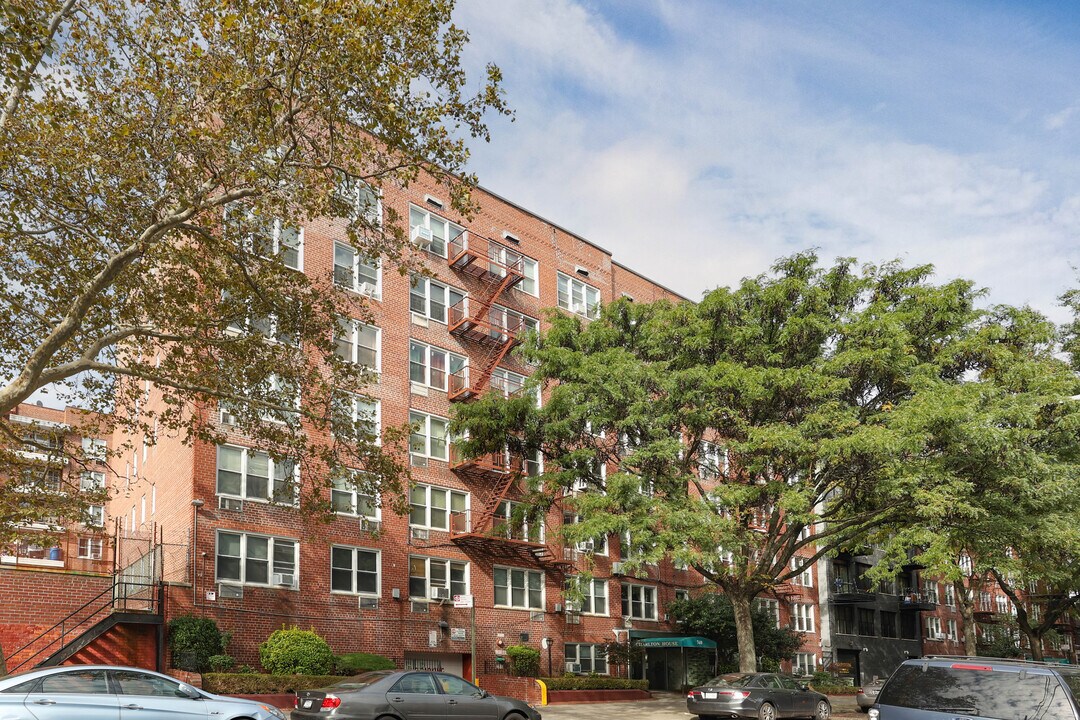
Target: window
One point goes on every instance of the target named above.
(429, 365)
(358, 200)
(90, 548)
(771, 607)
(270, 238)
(804, 664)
(145, 684)
(516, 588)
(82, 682)
(47, 479)
(512, 322)
(950, 595)
(256, 559)
(95, 449)
(951, 625)
(348, 501)
(867, 622)
(358, 414)
(509, 383)
(639, 601)
(591, 657)
(358, 343)
(432, 506)
(805, 577)
(681, 594)
(441, 230)
(533, 463)
(577, 297)
(354, 570)
(519, 527)
(888, 624)
(933, 627)
(712, 461)
(430, 299)
(594, 600)
(255, 475)
(426, 573)
(597, 545)
(802, 617)
(431, 438)
(95, 516)
(355, 272)
(269, 325)
(92, 481)
(931, 590)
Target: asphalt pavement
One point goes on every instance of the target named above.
(664, 706)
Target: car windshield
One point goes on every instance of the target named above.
(359, 681)
(734, 680)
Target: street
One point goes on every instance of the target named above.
(663, 706)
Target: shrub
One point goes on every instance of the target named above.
(193, 641)
(358, 662)
(221, 663)
(524, 660)
(292, 651)
(257, 684)
(599, 682)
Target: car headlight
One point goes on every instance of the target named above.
(273, 711)
(874, 714)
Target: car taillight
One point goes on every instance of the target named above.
(693, 695)
(861, 691)
(330, 702)
(735, 694)
(296, 701)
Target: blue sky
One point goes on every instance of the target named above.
(700, 140)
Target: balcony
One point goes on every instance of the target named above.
(492, 466)
(917, 600)
(480, 258)
(495, 539)
(461, 390)
(852, 591)
(487, 328)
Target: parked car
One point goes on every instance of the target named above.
(110, 692)
(945, 688)
(867, 694)
(407, 694)
(766, 696)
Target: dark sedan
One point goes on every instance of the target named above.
(409, 695)
(766, 696)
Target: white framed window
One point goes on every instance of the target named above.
(359, 200)
(430, 299)
(429, 365)
(347, 500)
(95, 449)
(431, 507)
(509, 383)
(95, 516)
(269, 326)
(269, 238)
(802, 617)
(92, 481)
(578, 297)
(511, 321)
(431, 438)
(933, 627)
(712, 461)
(950, 595)
(804, 664)
(358, 343)
(596, 546)
(639, 602)
(91, 548)
(951, 625)
(430, 231)
(931, 590)
(520, 528)
(770, 606)
(594, 597)
(357, 273)
(533, 463)
(46, 478)
(805, 577)
(683, 594)
(256, 475)
(591, 658)
(355, 570)
(518, 588)
(426, 573)
(359, 412)
(251, 559)
(1002, 604)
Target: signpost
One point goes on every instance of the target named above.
(466, 601)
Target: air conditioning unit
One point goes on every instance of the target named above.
(368, 603)
(233, 592)
(586, 545)
(617, 568)
(418, 533)
(440, 593)
(421, 236)
(284, 579)
(369, 525)
(579, 308)
(230, 504)
(227, 418)
(573, 667)
(558, 608)
(572, 607)
(367, 289)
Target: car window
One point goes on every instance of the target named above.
(416, 683)
(362, 680)
(770, 681)
(732, 680)
(788, 683)
(137, 683)
(22, 688)
(79, 681)
(452, 685)
(1003, 694)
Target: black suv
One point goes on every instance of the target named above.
(972, 688)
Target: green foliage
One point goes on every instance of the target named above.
(292, 651)
(259, 684)
(711, 615)
(589, 682)
(221, 663)
(194, 641)
(358, 662)
(524, 660)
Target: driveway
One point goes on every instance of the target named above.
(664, 706)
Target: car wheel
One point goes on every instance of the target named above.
(514, 716)
(823, 710)
(767, 712)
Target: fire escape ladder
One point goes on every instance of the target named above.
(487, 516)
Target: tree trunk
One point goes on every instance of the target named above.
(744, 632)
(966, 601)
(3, 661)
(1035, 644)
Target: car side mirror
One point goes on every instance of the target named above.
(188, 692)
(804, 686)
(484, 693)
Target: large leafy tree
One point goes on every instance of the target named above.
(711, 615)
(154, 159)
(745, 435)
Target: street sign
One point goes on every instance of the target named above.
(463, 601)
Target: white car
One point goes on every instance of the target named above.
(109, 692)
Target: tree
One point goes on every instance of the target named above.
(155, 161)
(744, 435)
(711, 615)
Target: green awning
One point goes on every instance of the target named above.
(672, 642)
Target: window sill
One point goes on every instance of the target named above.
(39, 562)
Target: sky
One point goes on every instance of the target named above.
(699, 140)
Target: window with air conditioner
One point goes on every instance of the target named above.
(353, 271)
(255, 475)
(251, 559)
(587, 658)
(91, 548)
(430, 299)
(639, 601)
(430, 366)
(431, 232)
(427, 573)
(354, 570)
(597, 545)
(594, 596)
(358, 343)
(518, 588)
(578, 297)
(432, 507)
(430, 437)
(354, 495)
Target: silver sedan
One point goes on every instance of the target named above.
(109, 692)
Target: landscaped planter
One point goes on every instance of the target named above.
(580, 696)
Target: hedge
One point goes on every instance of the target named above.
(255, 684)
(589, 682)
(835, 689)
